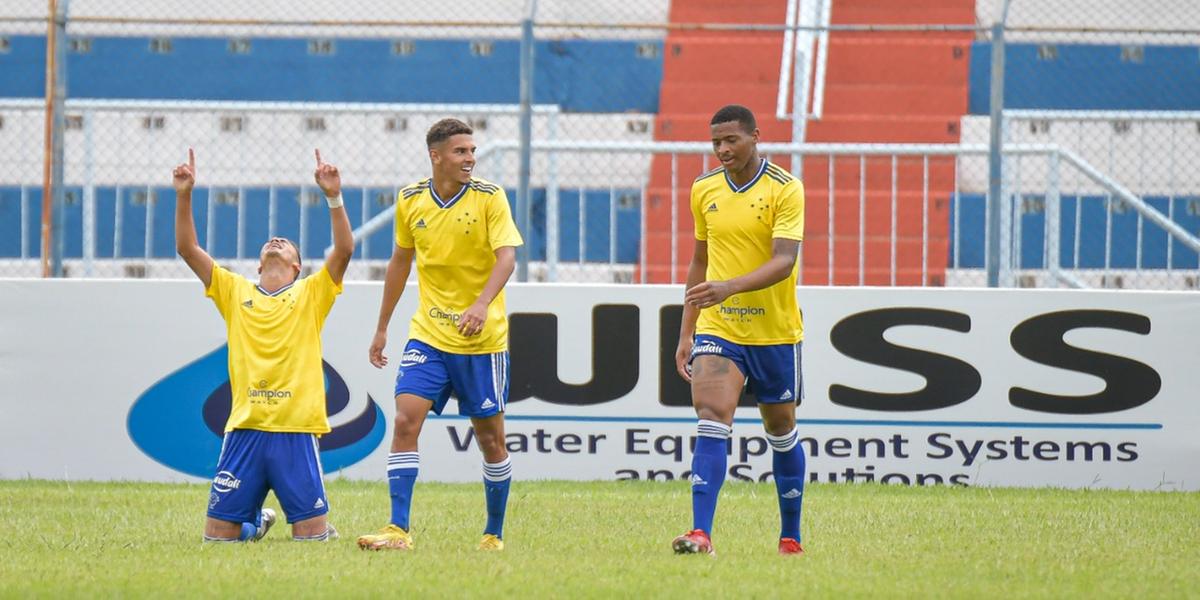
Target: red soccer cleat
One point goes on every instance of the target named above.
(693, 542)
(790, 546)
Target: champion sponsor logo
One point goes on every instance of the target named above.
(698, 480)
(487, 403)
(319, 503)
(791, 494)
(437, 313)
(787, 395)
(226, 481)
(743, 311)
(712, 207)
(267, 394)
(412, 358)
(707, 348)
(249, 303)
(420, 223)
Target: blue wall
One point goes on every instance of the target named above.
(1091, 214)
(579, 75)
(317, 234)
(1088, 77)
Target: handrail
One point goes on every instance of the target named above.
(1136, 202)
(785, 62)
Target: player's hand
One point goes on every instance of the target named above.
(328, 178)
(682, 354)
(375, 354)
(185, 174)
(708, 293)
(471, 323)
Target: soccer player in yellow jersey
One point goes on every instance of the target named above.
(740, 320)
(275, 374)
(461, 231)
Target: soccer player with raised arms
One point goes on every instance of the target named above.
(276, 380)
(741, 323)
(461, 231)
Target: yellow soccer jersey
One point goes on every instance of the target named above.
(455, 241)
(739, 225)
(275, 373)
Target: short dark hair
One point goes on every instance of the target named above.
(735, 112)
(444, 130)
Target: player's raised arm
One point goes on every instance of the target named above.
(393, 287)
(476, 315)
(185, 228)
(330, 182)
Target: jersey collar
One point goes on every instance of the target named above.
(276, 292)
(762, 168)
(446, 203)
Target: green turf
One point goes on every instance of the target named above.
(609, 539)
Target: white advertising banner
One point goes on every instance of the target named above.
(127, 380)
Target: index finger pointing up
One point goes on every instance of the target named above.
(192, 160)
(319, 163)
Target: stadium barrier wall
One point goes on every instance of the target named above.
(123, 380)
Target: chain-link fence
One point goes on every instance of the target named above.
(1116, 86)
(1102, 121)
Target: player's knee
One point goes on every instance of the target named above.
(216, 528)
(405, 427)
(490, 442)
(709, 413)
(779, 419)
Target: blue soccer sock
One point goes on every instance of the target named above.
(402, 470)
(708, 471)
(249, 530)
(497, 478)
(788, 462)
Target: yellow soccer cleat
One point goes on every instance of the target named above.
(491, 542)
(388, 538)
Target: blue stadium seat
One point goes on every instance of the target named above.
(1087, 77)
(601, 76)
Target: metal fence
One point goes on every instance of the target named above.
(902, 138)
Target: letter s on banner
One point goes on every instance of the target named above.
(949, 381)
(1128, 383)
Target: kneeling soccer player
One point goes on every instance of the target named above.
(275, 375)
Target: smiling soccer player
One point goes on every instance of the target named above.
(461, 231)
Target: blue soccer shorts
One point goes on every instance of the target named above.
(773, 371)
(478, 381)
(253, 462)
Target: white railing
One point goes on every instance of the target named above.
(795, 61)
(1056, 158)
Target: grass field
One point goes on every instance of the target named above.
(610, 539)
